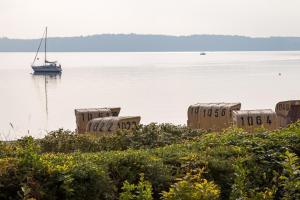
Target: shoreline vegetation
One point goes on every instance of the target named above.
(156, 161)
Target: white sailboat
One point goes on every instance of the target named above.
(47, 66)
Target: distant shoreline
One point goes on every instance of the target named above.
(153, 43)
(152, 51)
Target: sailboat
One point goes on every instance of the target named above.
(46, 66)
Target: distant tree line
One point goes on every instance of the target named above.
(155, 43)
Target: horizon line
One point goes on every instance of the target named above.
(154, 34)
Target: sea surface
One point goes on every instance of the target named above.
(159, 87)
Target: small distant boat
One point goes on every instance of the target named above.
(202, 54)
(47, 66)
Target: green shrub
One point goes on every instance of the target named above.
(128, 166)
(141, 191)
(64, 165)
(290, 177)
(284, 183)
(192, 187)
(148, 136)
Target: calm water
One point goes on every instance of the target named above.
(157, 86)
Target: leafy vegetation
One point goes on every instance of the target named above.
(141, 191)
(192, 187)
(154, 162)
(149, 136)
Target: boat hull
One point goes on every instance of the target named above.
(46, 69)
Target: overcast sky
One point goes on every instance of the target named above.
(27, 18)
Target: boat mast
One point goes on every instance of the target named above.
(38, 49)
(46, 46)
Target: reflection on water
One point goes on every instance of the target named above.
(45, 78)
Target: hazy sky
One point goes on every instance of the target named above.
(27, 18)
